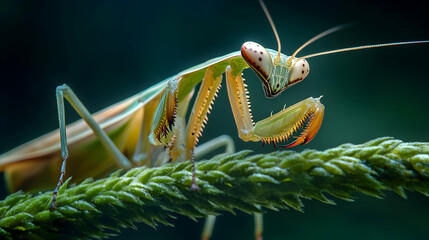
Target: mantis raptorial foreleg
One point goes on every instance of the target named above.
(304, 117)
(171, 109)
(65, 92)
(202, 105)
(238, 98)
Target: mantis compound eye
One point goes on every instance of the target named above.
(258, 59)
(299, 71)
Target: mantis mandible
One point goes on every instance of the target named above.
(139, 127)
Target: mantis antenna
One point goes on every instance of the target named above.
(363, 47)
(321, 35)
(267, 13)
(313, 39)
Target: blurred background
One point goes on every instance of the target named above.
(109, 50)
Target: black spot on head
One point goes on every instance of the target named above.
(302, 71)
(255, 51)
(261, 52)
(303, 65)
(260, 59)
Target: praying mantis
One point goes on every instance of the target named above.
(190, 107)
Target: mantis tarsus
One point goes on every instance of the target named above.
(75, 156)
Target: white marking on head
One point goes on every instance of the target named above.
(299, 71)
(258, 59)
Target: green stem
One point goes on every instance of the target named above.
(94, 209)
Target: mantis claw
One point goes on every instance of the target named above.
(298, 141)
(304, 117)
(312, 126)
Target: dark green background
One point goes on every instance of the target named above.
(109, 50)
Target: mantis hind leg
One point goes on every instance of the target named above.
(65, 92)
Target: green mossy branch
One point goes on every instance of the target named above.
(97, 209)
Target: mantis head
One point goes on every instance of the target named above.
(276, 71)
(278, 74)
